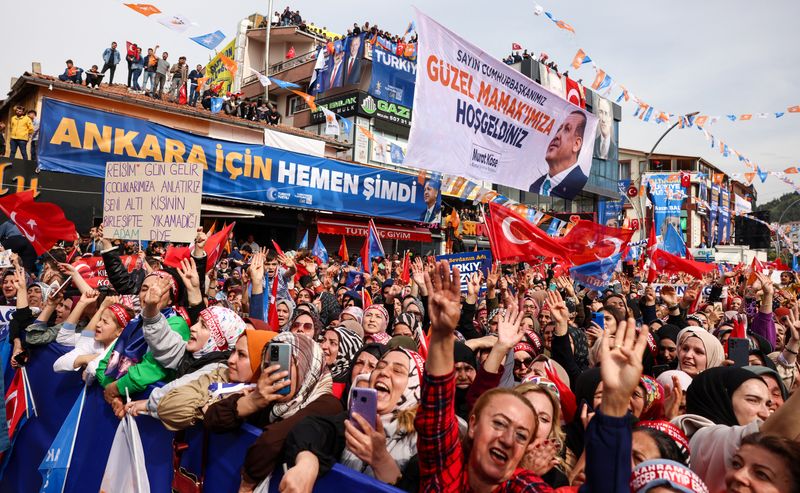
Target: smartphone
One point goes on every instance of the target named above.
(739, 351)
(364, 402)
(599, 319)
(279, 353)
(659, 369)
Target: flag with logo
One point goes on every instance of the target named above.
(580, 58)
(574, 93)
(19, 407)
(263, 79)
(42, 223)
(216, 104)
(331, 123)
(229, 64)
(372, 247)
(303, 242)
(216, 243)
(666, 262)
(125, 468)
(596, 275)
(319, 251)
(55, 465)
(516, 46)
(309, 99)
(177, 22)
(673, 242)
(143, 8)
(210, 40)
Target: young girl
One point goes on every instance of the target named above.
(100, 334)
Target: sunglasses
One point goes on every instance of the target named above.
(303, 325)
(524, 363)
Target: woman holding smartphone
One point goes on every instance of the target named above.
(382, 451)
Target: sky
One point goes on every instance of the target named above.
(713, 56)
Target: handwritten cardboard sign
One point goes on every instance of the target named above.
(152, 201)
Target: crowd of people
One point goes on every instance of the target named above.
(153, 75)
(526, 382)
(516, 57)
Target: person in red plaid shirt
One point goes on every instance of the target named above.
(501, 425)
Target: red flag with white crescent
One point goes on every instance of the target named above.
(574, 93)
(516, 239)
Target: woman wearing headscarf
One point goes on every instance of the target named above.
(317, 443)
(375, 321)
(698, 350)
(339, 344)
(723, 405)
(310, 385)
(285, 308)
(184, 405)
(659, 475)
(668, 345)
(306, 322)
(408, 325)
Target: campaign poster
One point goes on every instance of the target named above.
(667, 194)
(469, 263)
(393, 77)
(724, 227)
(478, 118)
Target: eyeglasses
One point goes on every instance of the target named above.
(303, 325)
(523, 363)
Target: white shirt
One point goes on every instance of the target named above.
(84, 344)
(605, 146)
(556, 180)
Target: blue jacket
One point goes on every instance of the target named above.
(609, 443)
(137, 62)
(107, 56)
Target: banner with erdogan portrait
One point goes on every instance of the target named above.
(477, 117)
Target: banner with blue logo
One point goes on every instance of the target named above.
(724, 227)
(713, 214)
(80, 140)
(596, 275)
(667, 194)
(469, 263)
(608, 210)
(393, 77)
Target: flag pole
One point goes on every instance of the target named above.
(488, 232)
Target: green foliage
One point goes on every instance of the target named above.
(783, 206)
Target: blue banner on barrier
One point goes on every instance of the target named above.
(393, 77)
(80, 140)
(469, 263)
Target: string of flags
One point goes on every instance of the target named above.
(178, 23)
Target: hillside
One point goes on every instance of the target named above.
(778, 207)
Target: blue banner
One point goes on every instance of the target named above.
(596, 275)
(608, 211)
(724, 227)
(667, 195)
(469, 263)
(393, 77)
(55, 465)
(713, 214)
(80, 140)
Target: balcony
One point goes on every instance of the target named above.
(291, 70)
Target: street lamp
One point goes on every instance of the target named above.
(642, 217)
(777, 235)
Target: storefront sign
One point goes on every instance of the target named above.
(344, 105)
(80, 140)
(386, 232)
(391, 112)
(469, 263)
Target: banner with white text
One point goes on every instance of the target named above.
(479, 118)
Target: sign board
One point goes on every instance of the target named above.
(5, 317)
(469, 263)
(152, 201)
(680, 289)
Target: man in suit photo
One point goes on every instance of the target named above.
(430, 195)
(604, 147)
(352, 67)
(564, 176)
(334, 76)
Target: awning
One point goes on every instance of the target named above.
(216, 210)
(386, 232)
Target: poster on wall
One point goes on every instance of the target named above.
(667, 194)
(479, 118)
(393, 77)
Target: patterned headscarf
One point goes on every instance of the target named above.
(653, 399)
(382, 312)
(349, 344)
(314, 378)
(412, 323)
(400, 444)
(355, 312)
(225, 327)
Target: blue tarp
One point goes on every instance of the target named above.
(55, 393)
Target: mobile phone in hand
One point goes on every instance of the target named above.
(364, 402)
(279, 353)
(599, 319)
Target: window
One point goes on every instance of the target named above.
(686, 165)
(660, 165)
(624, 170)
(295, 104)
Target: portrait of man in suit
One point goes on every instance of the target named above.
(334, 76)
(430, 195)
(564, 177)
(352, 66)
(604, 147)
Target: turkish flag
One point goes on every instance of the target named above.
(516, 46)
(290, 53)
(588, 242)
(666, 262)
(575, 93)
(652, 246)
(272, 313)
(216, 243)
(515, 239)
(182, 98)
(42, 223)
(686, 179)
(405, 274)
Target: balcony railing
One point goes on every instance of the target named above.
(284, 65)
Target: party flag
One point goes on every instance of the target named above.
(731, 117)
(561, 24)
(745, 117)
(596, 275)
(56, 462)
(216, 104)
(319, 251)
(762, 175)
(366, 297)
(263, 79)
(178, 23)
(370, 136)
(308, 98)
(599, 79)
(791, 171)
(673, 242)
(303, 242)
(210, 40)
(700, 121)
(283, 84)
(372, 247)
(580, 58)
(648, 114)
(347, 124)
(793, 109)
(230, 65)
(143, 8)
(413, 27)
(778, 114)
(343, 253)
(331, 124)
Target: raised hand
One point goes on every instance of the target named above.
(672, 403)
(108, 301)
(474, 287)
(493, 277)
(152, 297)
(286, 261)
(444, 299)
(621, 366)
(256, 270)
(191, 279)
(559, 312)
(200, 243)
(418, 271)
(668, 296)
(649, 296)
(89, 297)
(509, 332)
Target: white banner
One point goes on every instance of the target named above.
(476, 117)
(742, 205)
(294, 143)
